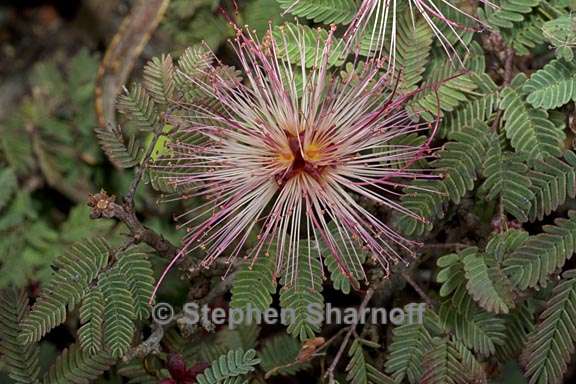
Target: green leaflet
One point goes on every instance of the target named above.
(552, 86)
(229, 366)
(529, 130)
(322, 11)
(20, 361)
(550, 346)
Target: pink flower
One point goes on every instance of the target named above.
(288, 152)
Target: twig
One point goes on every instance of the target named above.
(150, 345)
(444, 246)
(406, 276)
(330, 372)
(104, 205)
(509, 66)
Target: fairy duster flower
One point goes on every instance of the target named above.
(290, 152)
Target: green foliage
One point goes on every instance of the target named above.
(192, 22)
(226, 367)
(476, 329)
(480, 108)
(50, 131)
(111, 297)
(8, 185)
(139, 108)
(409, 342)
(322, 11)
(527, 35)
(359, 370)
(550, 346)
(487, 284)
(561, 33)
(541, 255)
(279, 355)
(519, 324)
(92, 320)
(507, 180)
(351, 254)
(553, 182)
(552, 86)
(159, 80)
(260, 14)
(459, 163)
(77, 269)
(118, 312)
(122, 153)
(21, 360)
(444, 90)
(441, 365)
(255, 284)
(509, 12)
(529, 129)
(78, 367)
(135, 268)
(301, 291)
(414, 44)
(294, 39)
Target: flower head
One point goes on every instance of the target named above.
(289, 152)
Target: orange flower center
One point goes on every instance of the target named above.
(299, 159)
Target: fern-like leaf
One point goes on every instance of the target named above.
(20, 361)
(552, 86)
(351, 254)
(445, 90)
(234, 363)
(509, 12)
(291, 39)
(507, 180)
(77, 268)
(529, 130)
(519, 324)
(543, 254)
(92, 320)
(121, 153)
(441, 365)
(359, 371)
(409, 343)
(75, 366)
(459, 162)
(487, 284)
(8, 185)
(480, 108)
(302, 295)
(526, 36)
(139, 107)
(322, 11)
(119, 312)
(159, 79)
(479, 330)
(414, 43)
(255, 284)
(279, 355)
(551, 345)
(137, 272)
(553, 181)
